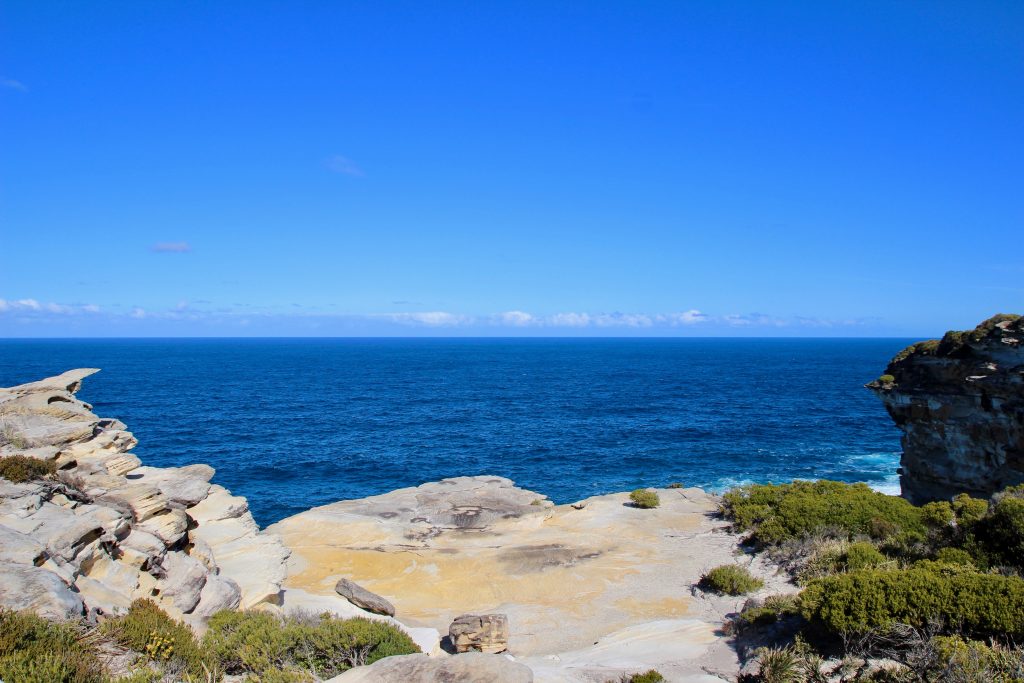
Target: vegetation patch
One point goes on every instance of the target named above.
(980, 605)
(265, 645)
(33, 650)
(644, 498)
(774, 513)
(730, 579)
(22, 468)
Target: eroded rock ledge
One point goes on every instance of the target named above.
(960, 404)
(107, 530)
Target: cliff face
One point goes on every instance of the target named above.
(105, 530)
(959, 402)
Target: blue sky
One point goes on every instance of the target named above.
(518, 168)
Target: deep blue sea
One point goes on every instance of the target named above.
(293, 423)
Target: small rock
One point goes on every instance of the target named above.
(364, 599)
(580, 505)
(480, 633)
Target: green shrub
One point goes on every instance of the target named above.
(1001, 533)
(651, 676)
(265, 645)
(954, 556)
(886, 379)
(774, 608)
(780, 665)
(147, 629)
(978, 604)
(862, 555)
(643, 498)
(22, 468)
(970, 660)
(730, 579)
(33, 650)
(776, 512)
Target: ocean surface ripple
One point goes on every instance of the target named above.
(294, 423)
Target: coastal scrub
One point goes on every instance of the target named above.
(644, 498)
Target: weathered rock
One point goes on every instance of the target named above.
(362, 598)
(960, 405)
(116, 531)
(25, 587)
(184, 485)
(218, 593)
(479, 633)
(183, 581)
(20, 548)
(467, 668)
(255, 560)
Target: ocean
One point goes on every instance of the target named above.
(294, 423)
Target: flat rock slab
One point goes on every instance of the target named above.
(565, 577)
(467, 668)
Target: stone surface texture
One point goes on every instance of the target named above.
(590, 594)
(959, 402)
(468, 668)
(479, 633)
(105, 530)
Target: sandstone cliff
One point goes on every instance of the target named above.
(106, 530)
(959, 402)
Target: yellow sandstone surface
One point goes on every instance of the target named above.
(566, 577)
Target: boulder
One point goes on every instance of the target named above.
(473, 667)
(364, 599)
(480, 633)
(34, 588)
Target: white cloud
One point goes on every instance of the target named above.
(91, 308)
(13, 84)
(138, 312)
(28, 303)
(690, 317)
(516, 318)
(568, 320)
(344, 166)
(172, 247)
(429, 318)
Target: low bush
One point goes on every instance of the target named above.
(886, 379)
(774, 608)
(171, 645)
(22, 468)
(265, 645)
(730, 579)
(33, 650)
(650, 676)
(774, 513)
(643, 498)
(862, 555)
(980, 605)
(970, 660)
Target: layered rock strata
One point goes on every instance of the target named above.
(105, 530)
(959, 402)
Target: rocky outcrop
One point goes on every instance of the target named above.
(590, 591)
(468, 668)
(104, 530)
(479, 633)
(959, 402)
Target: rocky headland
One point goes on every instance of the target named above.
(589, 591)
(959, 402)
